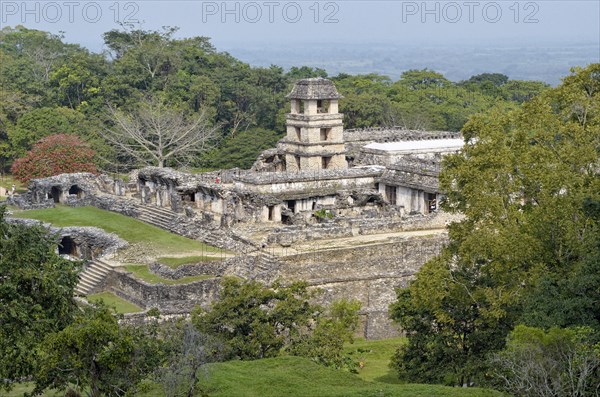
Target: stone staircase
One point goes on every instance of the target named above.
(266, 262)
(157, 216)
(166, 218)
(92, 277)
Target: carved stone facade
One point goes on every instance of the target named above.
(314, 139)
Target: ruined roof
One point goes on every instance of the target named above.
(314, 88)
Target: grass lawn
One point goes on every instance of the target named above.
(127, 228)
(121, 305)
(375, 355)
(296, 376)
(174, 263)
(299, 377)
(143, 273)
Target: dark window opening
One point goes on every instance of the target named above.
(325, 134)
(325, 162)
(76, 191)
(271, 212)
(189, 197)
(322, 106)
(291, 204)
(67, 246)
(390, 194)
(286, 220)
(298, 133)
(300, 106)
(55, 194)
(298, 162)
(430, 202)
(314, 205)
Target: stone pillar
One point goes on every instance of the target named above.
(333, 106)
(310, 107)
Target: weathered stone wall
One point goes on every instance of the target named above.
(213, 268)
(90, 242)
(368, 273)
(181, 298)
(340, 227)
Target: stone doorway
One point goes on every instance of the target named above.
(67, 246)
(76, 190)
(55, 194)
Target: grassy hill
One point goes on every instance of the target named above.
(300, 377)
(296, 376)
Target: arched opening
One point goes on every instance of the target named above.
(55, 194)
(188, 197)
(76, 191)
(67, 246)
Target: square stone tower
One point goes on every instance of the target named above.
(314, 139)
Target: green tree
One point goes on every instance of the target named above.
(36, 296)
(520, 91)
(95, 352)
(324, 343)
(557, 363)
(240, 150)
(255, 321)
(188, 352)
(42, 122)
(521, 181)
(305, 72)
(31, 57)
(364, 110)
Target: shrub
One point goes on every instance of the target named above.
(53, 155)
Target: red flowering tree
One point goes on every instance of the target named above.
(53, 155)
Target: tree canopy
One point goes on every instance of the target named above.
(36, 296)
(53, 155)
(49, 87)
(528, 185)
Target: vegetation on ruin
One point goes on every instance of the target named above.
(129, 229)
(256, 321)
(115, 302)
(174, 263)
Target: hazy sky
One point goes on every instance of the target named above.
(346, 21)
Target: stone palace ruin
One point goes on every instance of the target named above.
(353, 212)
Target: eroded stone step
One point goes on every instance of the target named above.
(92, 279)
(156, 215)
